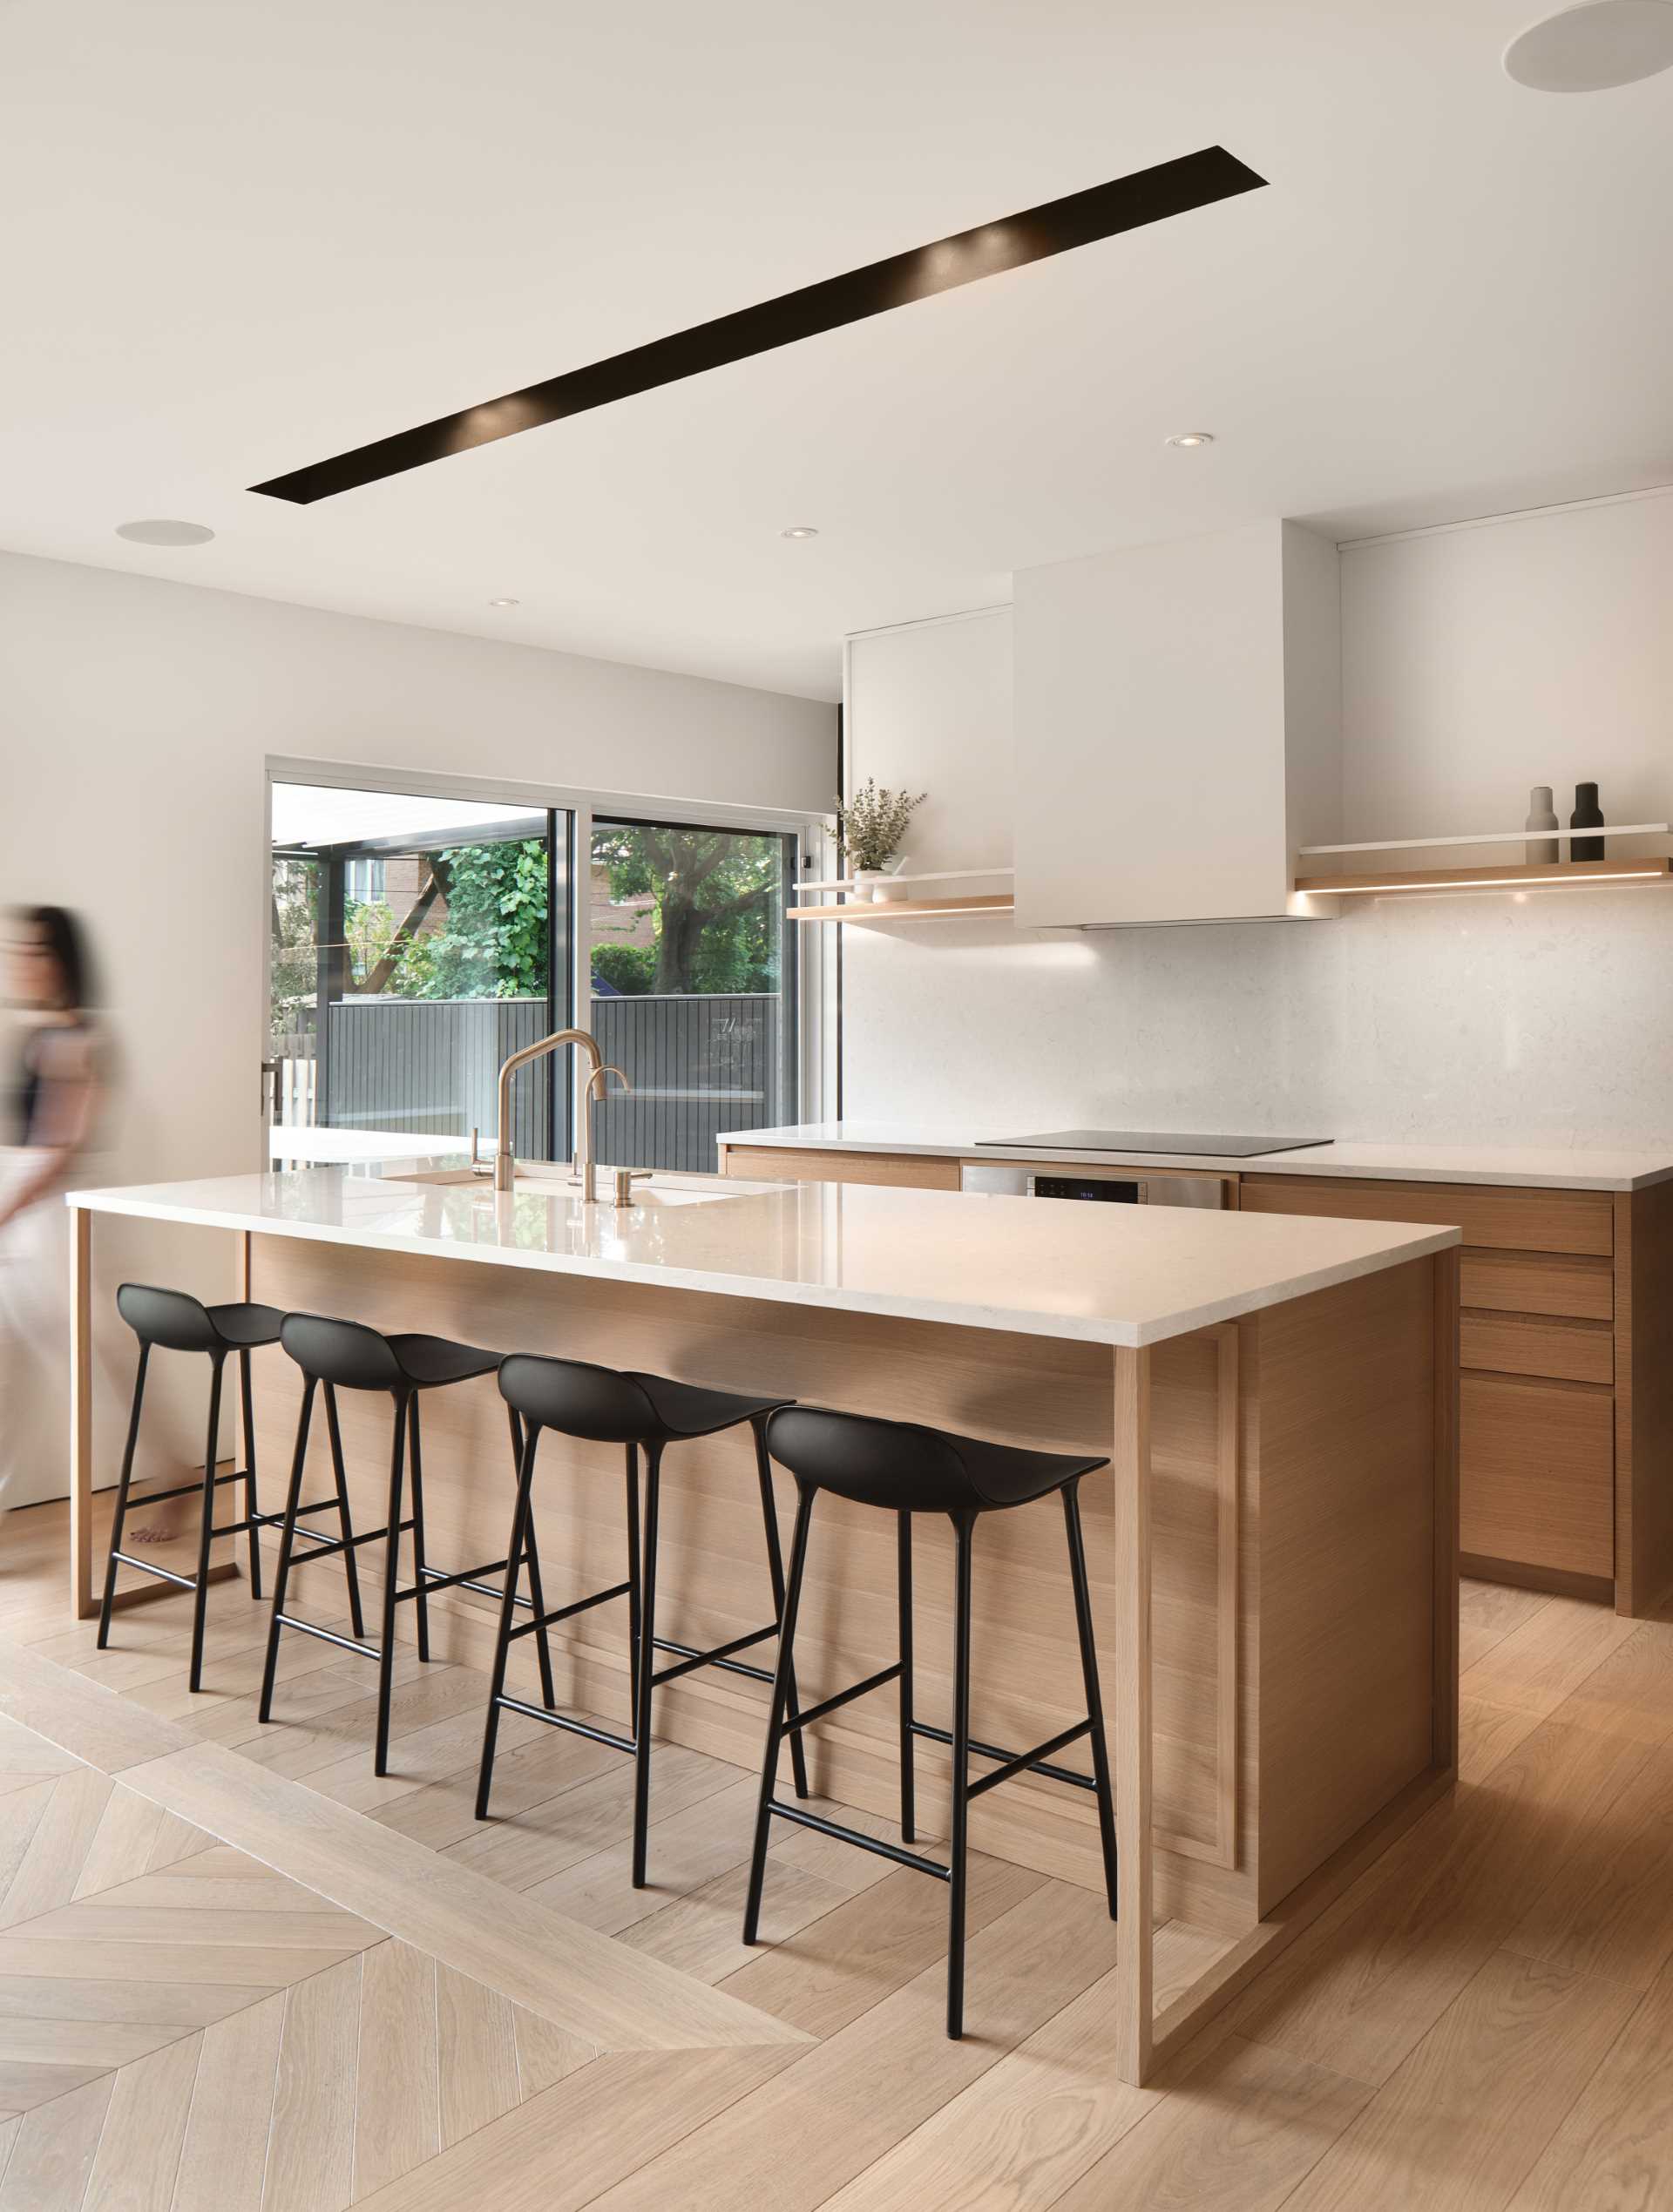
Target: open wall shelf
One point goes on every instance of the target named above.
(1466, 878)
(905, 910)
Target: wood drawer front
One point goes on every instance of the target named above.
(1505, 1220)
(1571, 1351)
(1538, 1282)
(903, 1170)
(1536, 1472)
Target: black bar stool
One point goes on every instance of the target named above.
(907, 1469)
(173, 1321)
(348, 1356)
(644, 1412)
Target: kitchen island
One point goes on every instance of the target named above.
(1273, 1550)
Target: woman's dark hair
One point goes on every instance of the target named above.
(67, 942)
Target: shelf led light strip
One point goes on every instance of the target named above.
(1506, 879)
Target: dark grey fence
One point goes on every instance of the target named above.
(428, 1068)
(697, 1065)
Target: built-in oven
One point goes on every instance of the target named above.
(1103, 1186)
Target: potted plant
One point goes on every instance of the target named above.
(870, 826)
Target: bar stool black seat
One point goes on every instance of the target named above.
(905, 1469)
(647, 1413)
(348, 1356)
(174, 1321)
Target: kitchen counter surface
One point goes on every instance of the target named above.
(1548, 1167)
(1104, 1275)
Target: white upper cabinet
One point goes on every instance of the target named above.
(1177, 728)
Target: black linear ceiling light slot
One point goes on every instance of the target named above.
(1126, 203)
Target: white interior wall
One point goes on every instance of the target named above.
(1475, 662)
(136, 720)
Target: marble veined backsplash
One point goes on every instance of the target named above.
(1540, 1016)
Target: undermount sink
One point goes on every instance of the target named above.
(653, 1189)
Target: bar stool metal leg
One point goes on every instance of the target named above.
(775, 1573)
(633, 1563)
(531, 1551)
(778, 1709)
(246, 1406)
(391, 1575)
(520, 1518)
(206, 1526)
(963, 1525)
(647, 1666)
(286, 1544)
(345, 1527)
(421, 1601)
(904, 1586)
(123, 1481)
(1089, 1674)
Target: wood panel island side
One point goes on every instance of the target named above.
(1274, 1549)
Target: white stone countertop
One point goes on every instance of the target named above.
(1546, 1167)
(1102, 1275)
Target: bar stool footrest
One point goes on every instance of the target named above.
(189, 1490)
(162, 1573)
(844, 1697)
(434, 1578)
(716, 1655)
(565, 1720)
(1016, 1763)
(876, 1845)
(564, 1613)
(328, 1635)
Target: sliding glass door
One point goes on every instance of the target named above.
(415, 943)
(693, 986)
(418, 941)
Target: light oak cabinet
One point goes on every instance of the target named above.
(1565, 1356)
(1566, 1402)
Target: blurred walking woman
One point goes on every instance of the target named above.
(52, 1102)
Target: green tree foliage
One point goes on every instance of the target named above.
(495, 941)
(630, 969)
(716, 894)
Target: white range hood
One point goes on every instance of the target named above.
(1178, 729)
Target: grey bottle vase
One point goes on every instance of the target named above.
(1541, 852)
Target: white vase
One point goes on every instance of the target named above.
(1541, 852)
(886, 890)
(865, 882)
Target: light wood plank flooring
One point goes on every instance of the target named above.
(237, 1972)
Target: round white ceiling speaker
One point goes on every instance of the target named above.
(1590, 48)
(165, 533)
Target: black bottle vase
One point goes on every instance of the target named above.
(1588, 814)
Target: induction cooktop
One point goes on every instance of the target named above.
(1154, 1141)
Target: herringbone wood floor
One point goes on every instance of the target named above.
(1484, 2024)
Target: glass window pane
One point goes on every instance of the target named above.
(694, 987)
(414, 947)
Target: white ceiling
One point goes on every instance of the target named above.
(240, 237)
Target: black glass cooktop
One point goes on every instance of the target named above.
(1156, 1140)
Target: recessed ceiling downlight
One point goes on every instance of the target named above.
(1190, 438)
(799, 530)
(505, 602)
(1593, 47)
(162, 532)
